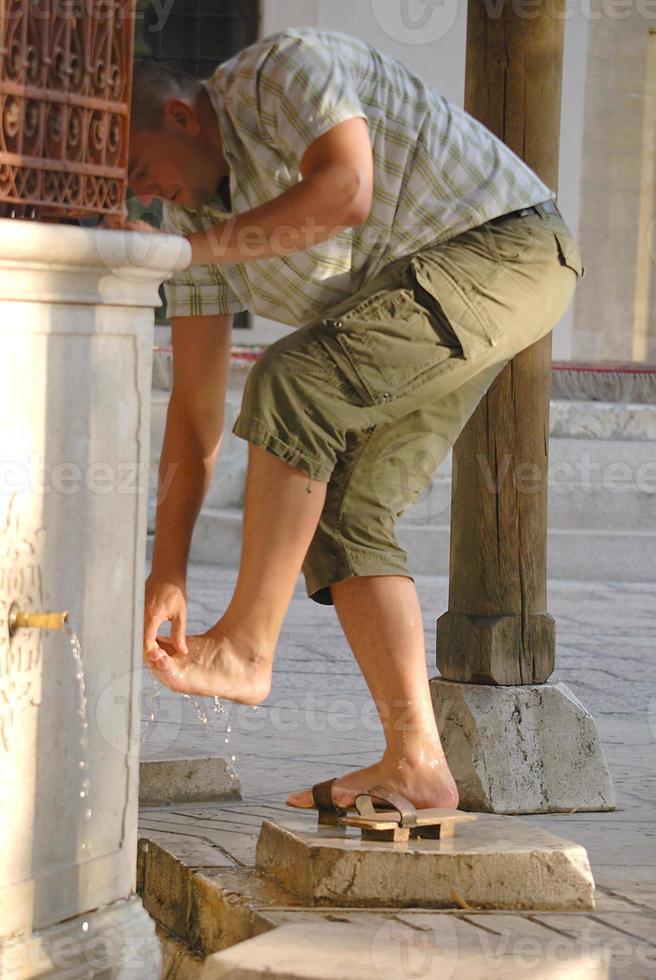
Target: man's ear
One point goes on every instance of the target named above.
(180, 116)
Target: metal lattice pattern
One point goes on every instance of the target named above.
(65, 74)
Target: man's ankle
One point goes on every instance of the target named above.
(424, 755)
(253, 646)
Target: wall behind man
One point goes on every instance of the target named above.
(430, 39)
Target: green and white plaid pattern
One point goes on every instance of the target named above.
(438, 172)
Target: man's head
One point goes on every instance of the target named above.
(175, 145)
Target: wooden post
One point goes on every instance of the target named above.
(497, 629)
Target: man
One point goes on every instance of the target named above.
(322, 185)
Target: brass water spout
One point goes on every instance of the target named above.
(35, 620)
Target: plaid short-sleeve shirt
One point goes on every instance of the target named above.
(437, 171)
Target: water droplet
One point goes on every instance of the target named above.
(87, 814)
(85, 927)
(82, 794)
(233, 758)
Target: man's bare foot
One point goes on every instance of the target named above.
(214, 667)
(426, 784)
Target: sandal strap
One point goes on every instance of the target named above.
(364, 804)
(322, 795)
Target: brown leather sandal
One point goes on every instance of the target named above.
(328, 811)
(404, 820)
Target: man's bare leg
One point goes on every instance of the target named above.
(382, 621)
(234, 658)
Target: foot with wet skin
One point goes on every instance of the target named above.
(215, 666)
(428, 783)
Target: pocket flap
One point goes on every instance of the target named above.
(569, 253)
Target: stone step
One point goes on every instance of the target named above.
(450, 948)
(602, 495)
(593, 482)
(217, 536)
(574, 503)
(588, 555)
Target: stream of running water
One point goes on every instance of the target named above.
(83, 743)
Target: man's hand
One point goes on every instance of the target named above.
(120, 222)
(166, 601)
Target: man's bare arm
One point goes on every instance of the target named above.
(194, 426)
(336, 193)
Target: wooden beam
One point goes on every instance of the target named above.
(497, 629)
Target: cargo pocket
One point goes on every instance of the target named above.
(451, 293)
(568, 253)
(390, 344)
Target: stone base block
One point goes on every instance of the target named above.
(525, 749)
(178, 962)
(117, 941)
(493, 862)
(389, 950)
(195, 780)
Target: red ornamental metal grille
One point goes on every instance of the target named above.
(65, 77)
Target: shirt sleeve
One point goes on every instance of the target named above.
(303, 90)
(200, 290)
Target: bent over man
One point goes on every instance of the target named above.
(321, 184)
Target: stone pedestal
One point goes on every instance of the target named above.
(494, 862)
(526, 749)
(76, 315)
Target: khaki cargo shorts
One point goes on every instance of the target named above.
(371, 398)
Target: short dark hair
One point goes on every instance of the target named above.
(152, 84)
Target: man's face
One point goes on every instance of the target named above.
(173, 162)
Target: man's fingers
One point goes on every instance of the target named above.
(178, 633)
(150, 634)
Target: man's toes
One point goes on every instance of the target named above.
(301, 799)
(164, 666)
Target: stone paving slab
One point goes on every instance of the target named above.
(493, 862)
(191, 780)
(390, 950)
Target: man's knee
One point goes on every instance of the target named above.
(267, 384)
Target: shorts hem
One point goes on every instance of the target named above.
(261, 435)
(320, 577)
